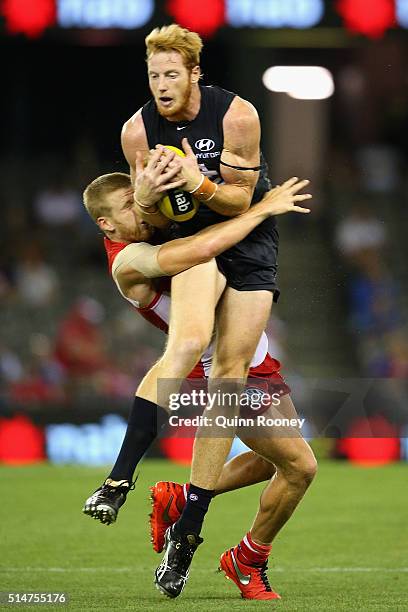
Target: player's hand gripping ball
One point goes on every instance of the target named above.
(177, 204)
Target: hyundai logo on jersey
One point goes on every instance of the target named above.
(205, 144)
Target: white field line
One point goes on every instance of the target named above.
(121, 570)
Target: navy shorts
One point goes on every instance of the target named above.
(251, 265)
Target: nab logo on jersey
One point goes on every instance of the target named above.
(205, 144)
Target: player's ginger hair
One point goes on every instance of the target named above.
(94, 196)
(175, 38)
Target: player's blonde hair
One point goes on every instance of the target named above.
(94, 196)
(175, 38)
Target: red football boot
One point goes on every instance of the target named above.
(251, 580)
(168, 502)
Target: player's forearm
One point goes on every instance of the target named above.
(230, 200)
(183, 253)
(178, 255)
(222, 236)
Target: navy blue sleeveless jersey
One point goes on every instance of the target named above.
(252, 263)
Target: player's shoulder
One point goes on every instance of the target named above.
(138, 259)
(133, 137)
(134, 129)
(129, 251)
(129, 263)
(243, 108)
(241, 114)
(112, 248)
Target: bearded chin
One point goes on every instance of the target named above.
(176, 110)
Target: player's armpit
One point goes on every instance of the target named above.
(136, 262)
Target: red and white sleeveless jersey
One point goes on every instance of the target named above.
(158, 314)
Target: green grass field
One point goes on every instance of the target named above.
(345, 549)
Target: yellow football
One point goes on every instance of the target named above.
(177, 204)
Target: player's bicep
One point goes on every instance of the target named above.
(135, 263)
(240, 157)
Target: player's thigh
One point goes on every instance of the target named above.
(241, 318)
(194, 297)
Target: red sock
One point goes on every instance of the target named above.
(251, 553)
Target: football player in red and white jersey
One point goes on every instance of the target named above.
(138, 265)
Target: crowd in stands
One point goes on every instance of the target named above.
(374, 294)
(79, 361)
(62, 338)
(66, 334)
(69, 344)
(368, 194)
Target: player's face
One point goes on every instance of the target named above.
(170, 83)
(126, 219)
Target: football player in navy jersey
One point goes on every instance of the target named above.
(223, 169)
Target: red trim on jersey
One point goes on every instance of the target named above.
(197, 371)
(153, 318)
(147, 312)
(268, 371)
(151, 305)
(112, 249)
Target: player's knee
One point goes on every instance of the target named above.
(303, 469)
(300, 470)
(231, 368)
(308, 469)
(189, 350)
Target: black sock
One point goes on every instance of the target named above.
(145, 421)
(192, 517)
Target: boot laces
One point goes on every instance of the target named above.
(264, 577)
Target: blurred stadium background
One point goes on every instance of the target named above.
(72, 351)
